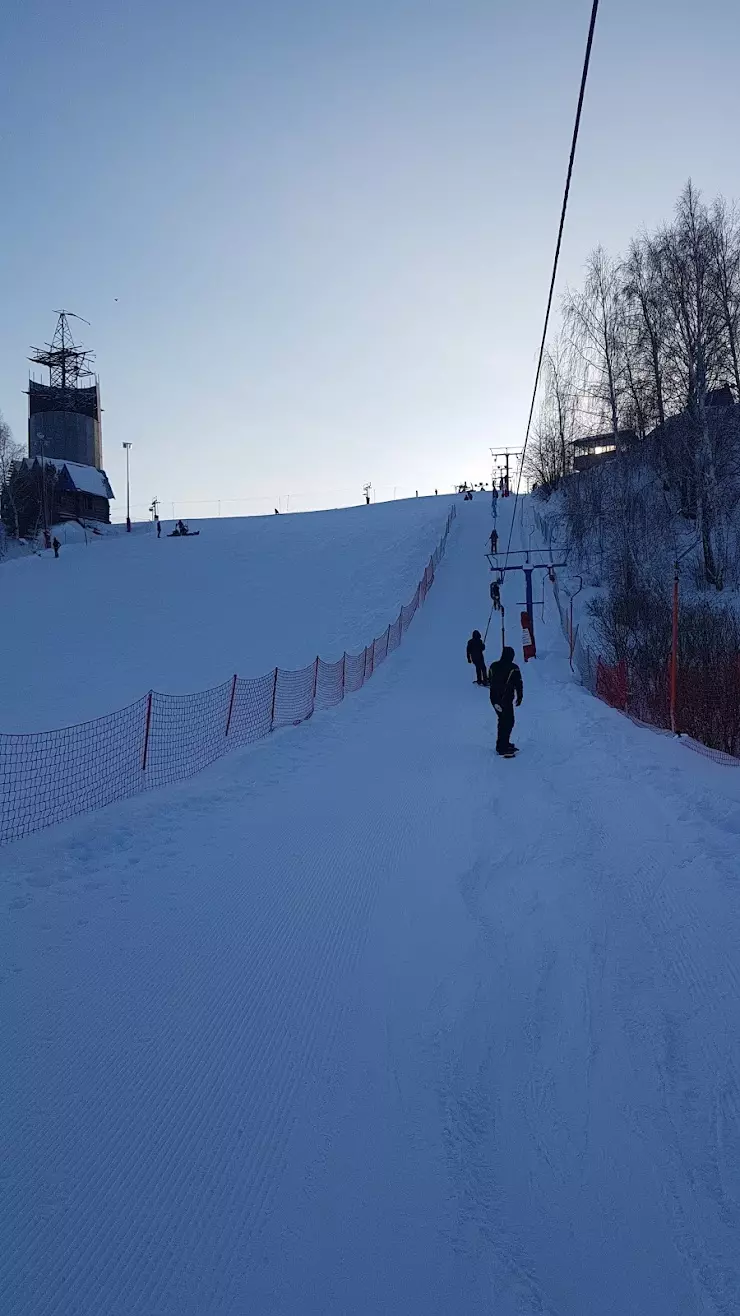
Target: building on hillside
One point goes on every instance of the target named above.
(721, 408)
(64, 416)
(720, 397)
(76, 493)
(677, 437)
(594, 449)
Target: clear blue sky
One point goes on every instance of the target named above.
(329, 223)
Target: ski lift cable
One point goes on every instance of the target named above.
(574, 141)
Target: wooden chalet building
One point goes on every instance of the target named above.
(80, 493)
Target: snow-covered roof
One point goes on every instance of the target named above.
(85, 479)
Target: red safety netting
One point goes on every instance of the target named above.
(707, 700)
(611, 684)
(187, 732)
(49, 776)
(54, 774)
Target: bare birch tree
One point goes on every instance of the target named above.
(696, 350)
(724, 235)
(593, 320)
(10, 455)
(648, 312)
(550, 453)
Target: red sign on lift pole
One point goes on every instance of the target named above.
(528, 646)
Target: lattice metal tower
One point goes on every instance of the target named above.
(67, 363)
(64, 416)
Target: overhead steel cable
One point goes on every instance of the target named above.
(576, 127)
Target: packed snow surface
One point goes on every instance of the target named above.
(94, 630)
(365, 1020)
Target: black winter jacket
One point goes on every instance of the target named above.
(475, 651)
(505, 683)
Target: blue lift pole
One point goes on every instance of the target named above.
(528, 596)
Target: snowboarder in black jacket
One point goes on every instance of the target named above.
(476, 649)
(504, 686)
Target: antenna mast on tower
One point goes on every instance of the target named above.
(66, 362)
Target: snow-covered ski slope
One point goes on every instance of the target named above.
(93, 631)
(364, 1020)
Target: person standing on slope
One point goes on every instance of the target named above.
(476, 649)
(504, 686)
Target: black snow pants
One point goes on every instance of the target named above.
(505, 727)
(481, 674)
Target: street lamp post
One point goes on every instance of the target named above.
(127, 446)
(44, 509)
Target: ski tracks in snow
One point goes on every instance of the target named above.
(594, 1039)
(173, 1066)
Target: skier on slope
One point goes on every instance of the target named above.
(504, 685)
(494, 541)
(475, 651)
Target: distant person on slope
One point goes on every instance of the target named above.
(476, 649)
(504, 685)
(56, 546)
(494, 541)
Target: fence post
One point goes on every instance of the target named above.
(570, 637)
(146, 730)
(315, 682)
(274, 692)
(231, 705)
(674, 650)
(387, 639)
(344, 670)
